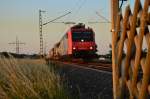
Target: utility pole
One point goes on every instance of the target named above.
(41, 24)
(17, 43)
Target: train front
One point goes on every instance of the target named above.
(83, 42)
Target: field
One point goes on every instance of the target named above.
(29, 79)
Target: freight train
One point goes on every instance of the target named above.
(78, 42)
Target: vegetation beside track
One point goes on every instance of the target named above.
(29, 79)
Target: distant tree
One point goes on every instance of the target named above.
(108, 55)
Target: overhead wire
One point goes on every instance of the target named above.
(79, 8)
(75, 10)
(102, 16)
(72, 9)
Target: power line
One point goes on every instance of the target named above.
(93, 22)
(79, 7)
(67, 22)
(74, 8)
(102, 17)
(57, 18)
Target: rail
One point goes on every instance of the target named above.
(105, 67)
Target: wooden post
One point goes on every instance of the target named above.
(114, 12)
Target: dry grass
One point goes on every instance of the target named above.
(29, 79)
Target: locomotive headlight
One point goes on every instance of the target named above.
(91, 47)
(82, 40)
(74, 48)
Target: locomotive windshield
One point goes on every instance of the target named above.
(82, 36)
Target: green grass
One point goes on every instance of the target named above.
(29, 79)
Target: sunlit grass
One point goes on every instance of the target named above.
(29, 79)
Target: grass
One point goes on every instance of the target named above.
(29, 79)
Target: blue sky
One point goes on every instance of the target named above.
(20, 18)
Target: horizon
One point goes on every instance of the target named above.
(21, 18)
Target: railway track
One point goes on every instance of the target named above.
(98, 66)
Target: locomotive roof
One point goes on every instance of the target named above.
(80, 26)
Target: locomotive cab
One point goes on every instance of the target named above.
(83, 42)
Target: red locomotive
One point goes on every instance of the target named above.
(78, 42)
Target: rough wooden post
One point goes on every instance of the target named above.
(114, 11)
